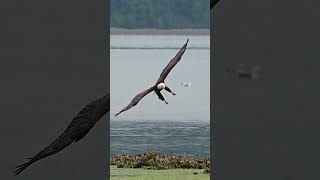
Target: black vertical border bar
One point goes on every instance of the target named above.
(107, 57)
(47, 48)
(212, 120)
(266, 129)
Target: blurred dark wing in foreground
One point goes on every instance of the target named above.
(84, 121)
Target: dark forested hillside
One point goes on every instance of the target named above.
(165, 14)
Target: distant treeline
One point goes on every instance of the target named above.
(164, 14)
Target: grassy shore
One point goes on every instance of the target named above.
(153, 166)
(147, 174)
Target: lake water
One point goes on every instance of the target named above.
(182, 126)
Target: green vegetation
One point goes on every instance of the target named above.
(152, 160)
(153, 166)
(169, 174)
(164, 14)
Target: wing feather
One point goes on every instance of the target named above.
(80, 125)
(172, 63)
(135, 100)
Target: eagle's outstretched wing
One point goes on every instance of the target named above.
(136, 99)
(213, 3)
(172, 63)
(76, 130)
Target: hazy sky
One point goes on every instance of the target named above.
(134, 70)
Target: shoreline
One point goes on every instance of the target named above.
(183, 32)
(152, 160)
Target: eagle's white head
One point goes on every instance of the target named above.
(161, 86)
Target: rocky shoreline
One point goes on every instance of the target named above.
(152, 160)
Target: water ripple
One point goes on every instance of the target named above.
(131, 137)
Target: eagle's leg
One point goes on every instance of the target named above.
(160, 96)
(169, 90)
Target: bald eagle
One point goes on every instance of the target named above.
(159, 85)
